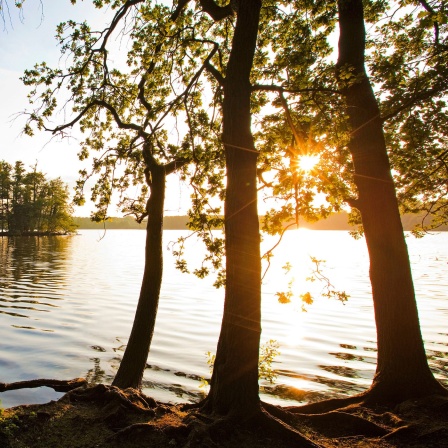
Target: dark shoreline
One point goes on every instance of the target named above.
(337, 221)
(13, 234)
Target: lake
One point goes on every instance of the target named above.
(67, 305)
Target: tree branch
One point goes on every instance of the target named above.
(192, 81)
(280, 89)
(421, 96)
(429, 8)
(262, 179)
(151, 162)
(426, 176)
(180, 6)
(57, 385)
(118, 16)
(121, 124)
(141, 84)
(353, 203)
(175, 165)
(216, 12)
(214, 72)
(299, 139)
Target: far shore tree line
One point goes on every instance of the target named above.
(336, 221)
(376, 118)
(32, 204)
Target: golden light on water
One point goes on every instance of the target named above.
(292, 283)
(293, 320)
(307, 163)
(296, 253)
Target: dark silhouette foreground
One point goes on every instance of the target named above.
(105, 416)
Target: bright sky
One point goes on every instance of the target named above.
(24, 43)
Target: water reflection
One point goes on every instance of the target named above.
(332, 388)
(32, 273)
(96, 375)
(33, 279)
(344, 371)
(439, 364)
(67, 305)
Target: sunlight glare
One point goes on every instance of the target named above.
(307, 163)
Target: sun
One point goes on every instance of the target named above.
(307, 163)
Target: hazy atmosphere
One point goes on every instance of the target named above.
(223, 223)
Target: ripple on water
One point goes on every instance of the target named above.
(67, 304)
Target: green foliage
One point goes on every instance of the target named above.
(176, 66)
(407, 60)
(211, 357)
(168, 96)
(163, 99)
(31, 203)
(307, 114)
(268, 352)
(9, 425)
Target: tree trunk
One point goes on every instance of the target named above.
(402, 370)
(234, 383)
(132, 366)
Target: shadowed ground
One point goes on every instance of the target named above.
(104, 416)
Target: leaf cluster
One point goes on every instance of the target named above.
(30, 202)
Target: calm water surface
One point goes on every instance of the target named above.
(67, 305)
